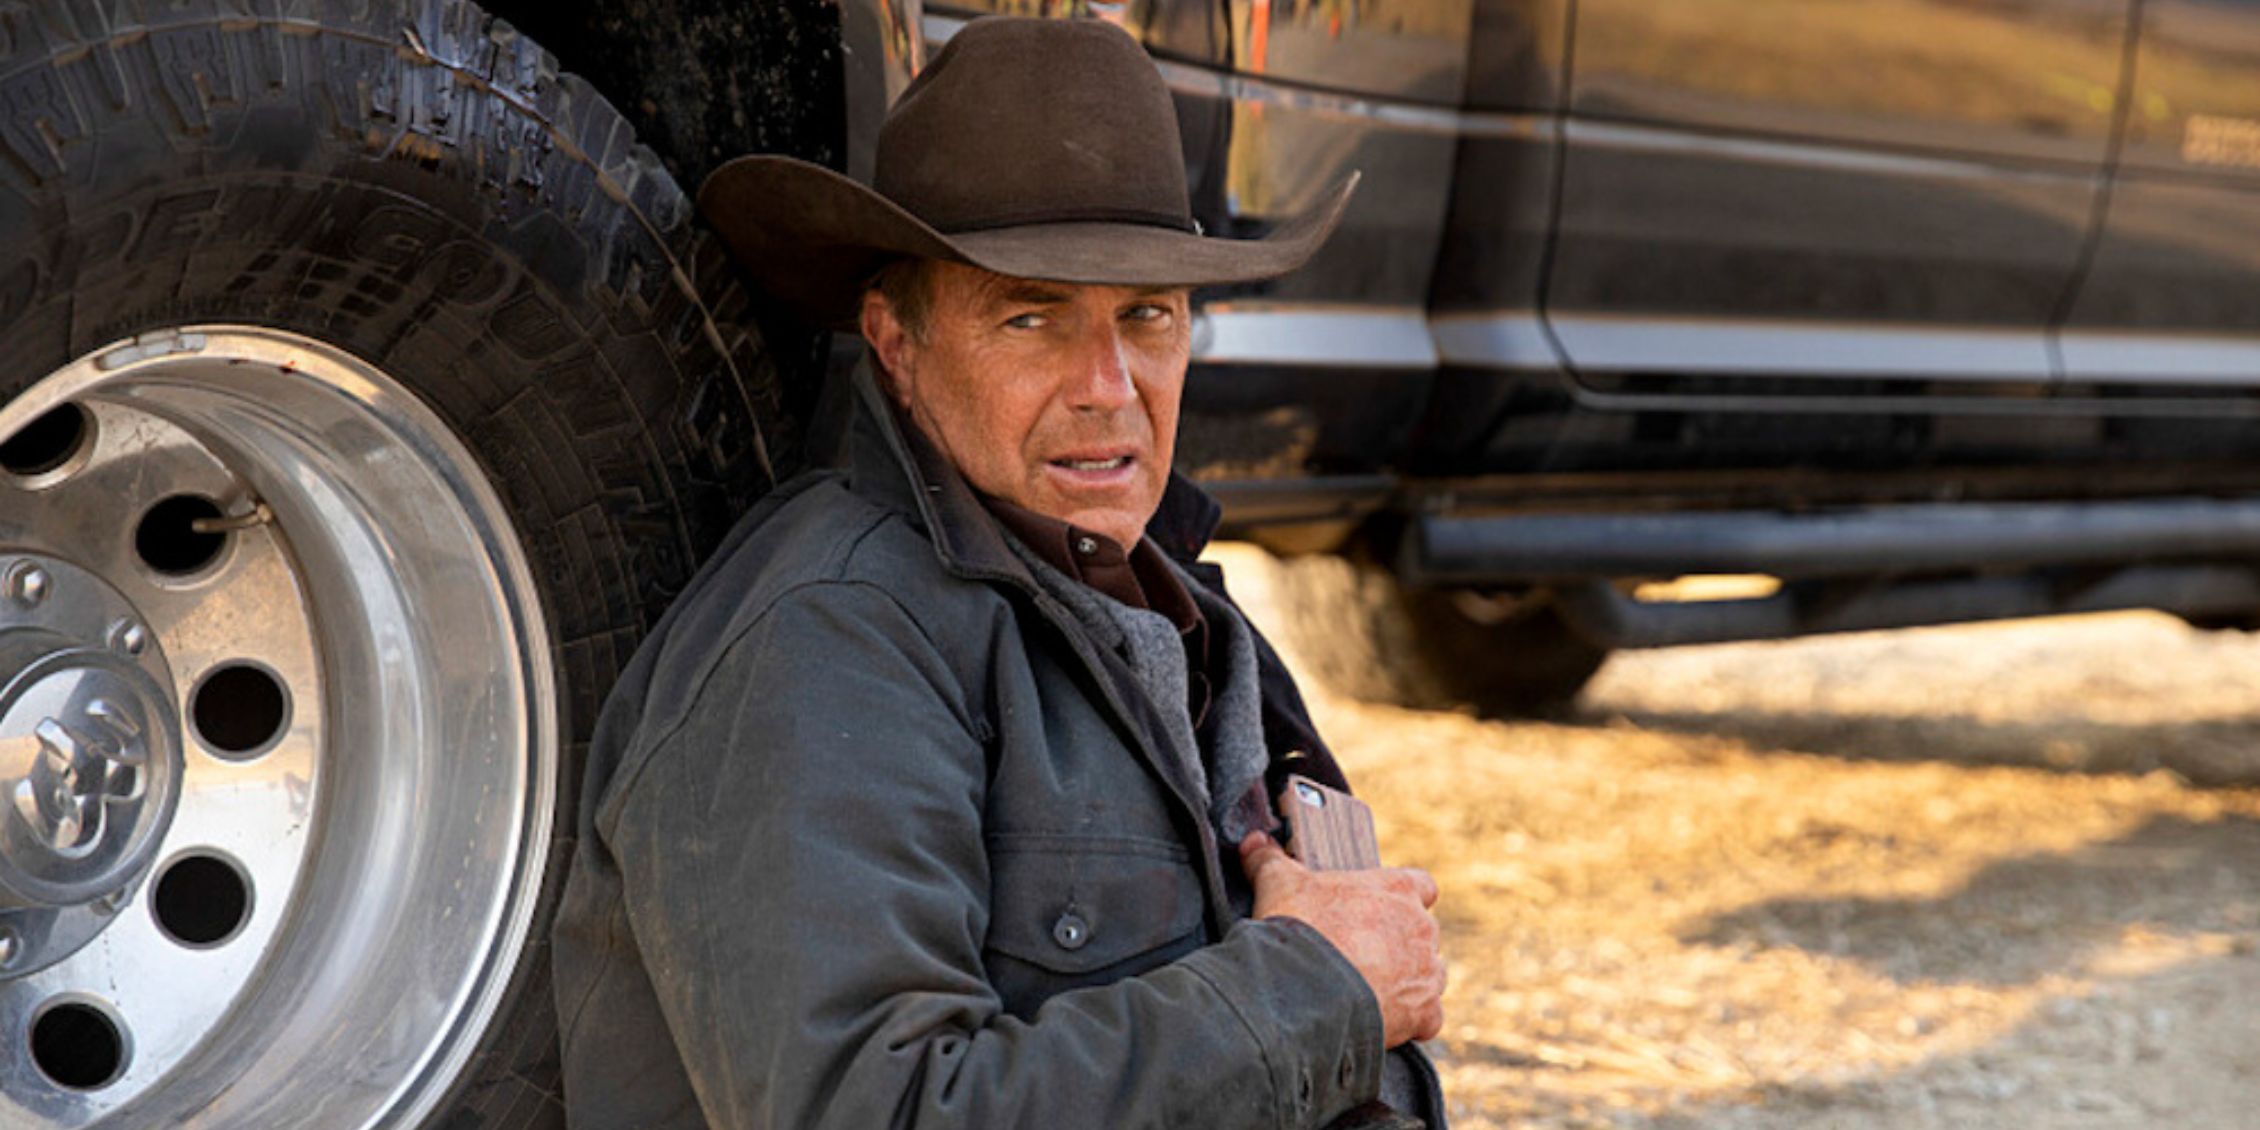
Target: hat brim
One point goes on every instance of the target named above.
(813, 238)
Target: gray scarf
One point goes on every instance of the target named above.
(1155, 652)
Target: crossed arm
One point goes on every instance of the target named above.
(810, 890)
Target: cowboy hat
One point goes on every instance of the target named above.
(1037, 148)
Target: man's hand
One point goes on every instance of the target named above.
(1378, 919)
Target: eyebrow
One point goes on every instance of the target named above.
(1041, 294)
(1030, 294)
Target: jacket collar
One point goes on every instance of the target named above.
(891, 461)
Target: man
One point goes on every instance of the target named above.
(940, 797)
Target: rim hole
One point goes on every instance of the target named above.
(201, 900)
(47, 443)
(167, 539)
(78, 1046)
(240, 710)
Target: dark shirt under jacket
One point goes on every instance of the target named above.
(1140, 578)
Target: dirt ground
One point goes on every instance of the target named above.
(1983, 876)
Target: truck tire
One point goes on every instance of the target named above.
(369, 391)
(1508, 657)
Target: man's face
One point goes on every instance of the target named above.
(1057, 397)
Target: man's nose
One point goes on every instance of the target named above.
(1103, 382)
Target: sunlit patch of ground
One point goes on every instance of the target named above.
(1954, 877)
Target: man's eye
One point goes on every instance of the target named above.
(1148, 312)
(1026, 321)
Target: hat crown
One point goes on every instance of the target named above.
(1034, 121)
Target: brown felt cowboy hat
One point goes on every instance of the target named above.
(1037, 148)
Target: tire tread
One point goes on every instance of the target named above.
(658, 414)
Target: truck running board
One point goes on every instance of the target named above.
(1927, 538)
(1612, 618)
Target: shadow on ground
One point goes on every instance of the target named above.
(2172, 1041)
(2023, 918)
(2176, 1047)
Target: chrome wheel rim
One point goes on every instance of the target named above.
(286, 675)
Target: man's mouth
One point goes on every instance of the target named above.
(1118, 461)
(1094, 469)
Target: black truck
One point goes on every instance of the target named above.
(372, 384)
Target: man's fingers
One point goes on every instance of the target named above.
(1431, 1023)
(1415, 882)
(1258, 852)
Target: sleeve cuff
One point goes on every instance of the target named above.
(1316, 1024)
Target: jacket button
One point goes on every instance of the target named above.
(1086, 545)
(1071, 931)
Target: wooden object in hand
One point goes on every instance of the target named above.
(1327, 829)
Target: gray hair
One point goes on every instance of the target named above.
(907, 285)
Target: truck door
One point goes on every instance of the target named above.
(2172, 302)
(1828, 188)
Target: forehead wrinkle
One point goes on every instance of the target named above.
(987, 291)
(1033, 294)
(993, 289)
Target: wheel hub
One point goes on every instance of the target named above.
(277, 742)
(90, 757)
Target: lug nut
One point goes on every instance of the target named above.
(27, 584)
(8, 947)
(127, 635)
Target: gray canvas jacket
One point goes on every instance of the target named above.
(873, 835)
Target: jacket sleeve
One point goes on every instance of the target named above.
(804, 866)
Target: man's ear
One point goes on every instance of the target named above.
(890, 341)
